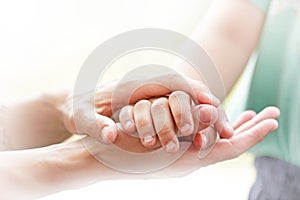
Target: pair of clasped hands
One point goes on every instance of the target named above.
(163, 111)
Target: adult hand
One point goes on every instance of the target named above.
(90, 113)
(248, 131)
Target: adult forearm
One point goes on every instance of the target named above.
(229, 33)
(39, 172)
(35, 121)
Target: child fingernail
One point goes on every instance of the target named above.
(186, 129)
(148, 139)
(129, 126)
(172, 147)
(105, 133)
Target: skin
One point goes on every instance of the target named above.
(48, 118)
(220, 29)
(161, 118)
(39, 120)
(70, 162)
(68, 165)
(82, 119)
(52, 112)
(229, 33)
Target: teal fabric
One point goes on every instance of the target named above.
(262, 4)
(276, 81)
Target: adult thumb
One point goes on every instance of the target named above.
(100, 127)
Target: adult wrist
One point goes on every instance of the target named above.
(59, 102)
(38, 172)
(69, 166)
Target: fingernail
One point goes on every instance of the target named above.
(229, 128)
(104, 134)
(273, 128)
(204, 142)
(215, 101)
(209, 139)
(186, 129)
(129, 126)
(148, 139)
(204, 150)
(172, 147)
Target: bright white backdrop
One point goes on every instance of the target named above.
(44, 43)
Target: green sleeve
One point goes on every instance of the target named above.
(262, 4)
(276, 81)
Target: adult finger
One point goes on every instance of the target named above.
(267, 113)
(243, 118)
(97, 126)
(238, 144)
(222, 124)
